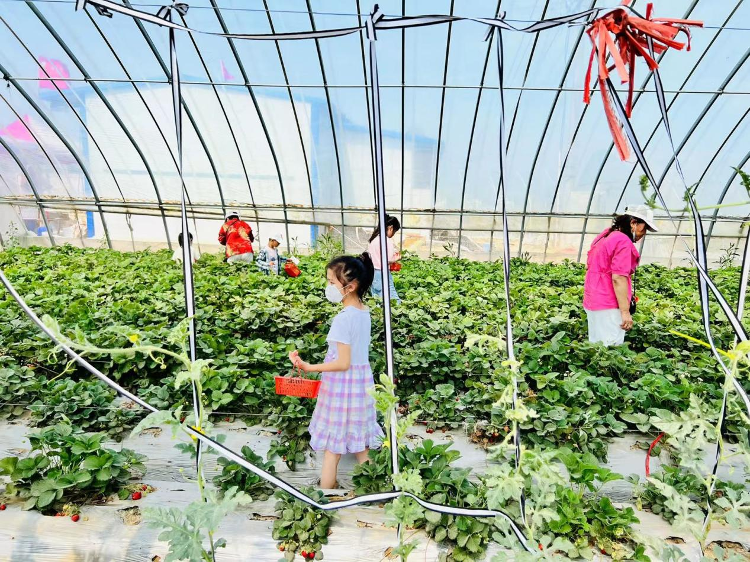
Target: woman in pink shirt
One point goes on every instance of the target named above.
(392, 226)
(610, 265)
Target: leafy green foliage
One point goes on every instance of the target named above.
(300, 527)
(744, 179)
(19, 386)
(234, 476)
(88, 404)
(68, 467)
(291, 419)
(645, 186)
(440, 406)
(580, 391)
(373, 476)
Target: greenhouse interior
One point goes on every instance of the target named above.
(204, 355)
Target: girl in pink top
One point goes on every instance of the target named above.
(611, 262)
(392, 226)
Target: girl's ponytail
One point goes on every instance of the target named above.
(369, 271)
(348, 269)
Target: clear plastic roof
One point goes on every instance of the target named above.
(280, 130)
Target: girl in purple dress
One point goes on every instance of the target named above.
(345, 420)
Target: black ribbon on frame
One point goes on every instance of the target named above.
(107, 7)
(376, 140)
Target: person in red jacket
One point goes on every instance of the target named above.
(237, 236)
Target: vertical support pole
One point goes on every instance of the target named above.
(187, 254)
(377, 146)
(506, 260)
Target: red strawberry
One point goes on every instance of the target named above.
(430, 430)
(304, 554)
(227, 419)
(540, 547)
(58, 514)
(75, 518)
(2, 507)
(281, 547)
(136, 495)
(144, 487)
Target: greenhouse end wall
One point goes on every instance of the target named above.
(423, 234)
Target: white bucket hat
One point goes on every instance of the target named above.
(643, 212)
(278, 236)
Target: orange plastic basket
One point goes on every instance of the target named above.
(291, 269)
(297, 386)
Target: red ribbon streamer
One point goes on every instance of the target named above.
(648, 455)
(623, 36)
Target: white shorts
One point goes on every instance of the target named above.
(247, 257)
(604, 326)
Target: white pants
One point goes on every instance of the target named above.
(604, 326)
(247, 257)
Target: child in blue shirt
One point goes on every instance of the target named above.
(269, 259)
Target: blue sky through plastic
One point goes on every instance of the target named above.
(299, 133)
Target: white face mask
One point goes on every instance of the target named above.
(333, 294)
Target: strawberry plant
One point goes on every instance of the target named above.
(135, 491)
(466, 537)
(234, 476)
(291, 419)
(87, 404)
(555, 515)
(68, 466)
(687, 484)
(562, 521)
(373, 476)
(301, 528)
(440, 406)
(18, 387)
(425, 471)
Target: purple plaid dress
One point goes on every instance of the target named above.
(344, 420)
